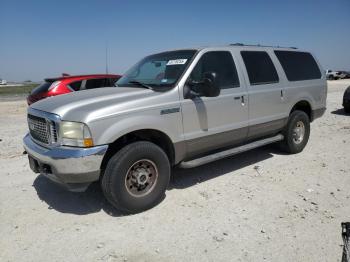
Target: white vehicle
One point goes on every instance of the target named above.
(3, 82)
(335, 75)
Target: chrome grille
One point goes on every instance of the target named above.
(53, 132)
(42, 130)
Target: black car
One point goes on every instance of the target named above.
(346, 100)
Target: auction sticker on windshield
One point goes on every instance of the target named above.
(177, 62)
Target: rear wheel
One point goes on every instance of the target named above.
(136, 177)
(296, 133)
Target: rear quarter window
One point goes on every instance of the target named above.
(298, 66)
(260, 67)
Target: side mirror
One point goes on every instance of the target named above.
(207, 87)
(210, 87)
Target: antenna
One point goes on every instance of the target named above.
(106, 57)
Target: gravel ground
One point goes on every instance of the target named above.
(260, 205)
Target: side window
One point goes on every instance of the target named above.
(95, 83)
(260, 67)
(220, 62)
(107, 82)
(75, 85)
(298, 66)
(111, 81)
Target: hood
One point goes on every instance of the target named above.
(90, 105)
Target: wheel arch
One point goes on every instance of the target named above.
(152, 135)
(305, 106)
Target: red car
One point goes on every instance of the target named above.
(66, 84)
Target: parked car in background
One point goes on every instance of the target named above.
(346, 100)
(335, 75)
(344, 74)
(179, 108)
(67, 84)
(3, 82)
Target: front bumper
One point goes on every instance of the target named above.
(75, 168)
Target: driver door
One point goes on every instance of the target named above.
(214, 122)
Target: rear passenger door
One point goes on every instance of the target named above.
(214, 122)
(265, 94)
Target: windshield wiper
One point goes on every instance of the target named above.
(141, 84)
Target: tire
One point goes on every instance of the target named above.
(331, 77)
(347, 108)
(296, 133)
(124, 184)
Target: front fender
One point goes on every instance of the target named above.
(109, 130)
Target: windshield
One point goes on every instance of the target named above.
(159, 70)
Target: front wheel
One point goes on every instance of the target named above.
(347, 108)
(296, 133)
(136, 177)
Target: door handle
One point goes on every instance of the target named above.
(282, 94)
(242, 100)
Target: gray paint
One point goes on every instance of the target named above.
(200, 124)
(230, 152)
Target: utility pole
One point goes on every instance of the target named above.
(106, 57)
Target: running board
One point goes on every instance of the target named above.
(230, 152)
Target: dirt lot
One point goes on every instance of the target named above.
(260, 205)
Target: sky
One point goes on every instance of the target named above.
(40, 39)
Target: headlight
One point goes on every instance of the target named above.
(75, 134)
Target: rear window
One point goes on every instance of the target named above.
(298, 66)
(41, 88)
(260, 67)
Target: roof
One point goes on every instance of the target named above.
(238, 46)
(67, 77)
(258, 45)
(253, 46)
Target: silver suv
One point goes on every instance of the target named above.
(178, 108)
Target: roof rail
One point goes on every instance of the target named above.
(258, 45)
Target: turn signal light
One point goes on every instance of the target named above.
(88, 142)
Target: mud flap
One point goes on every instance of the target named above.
(346, 238)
